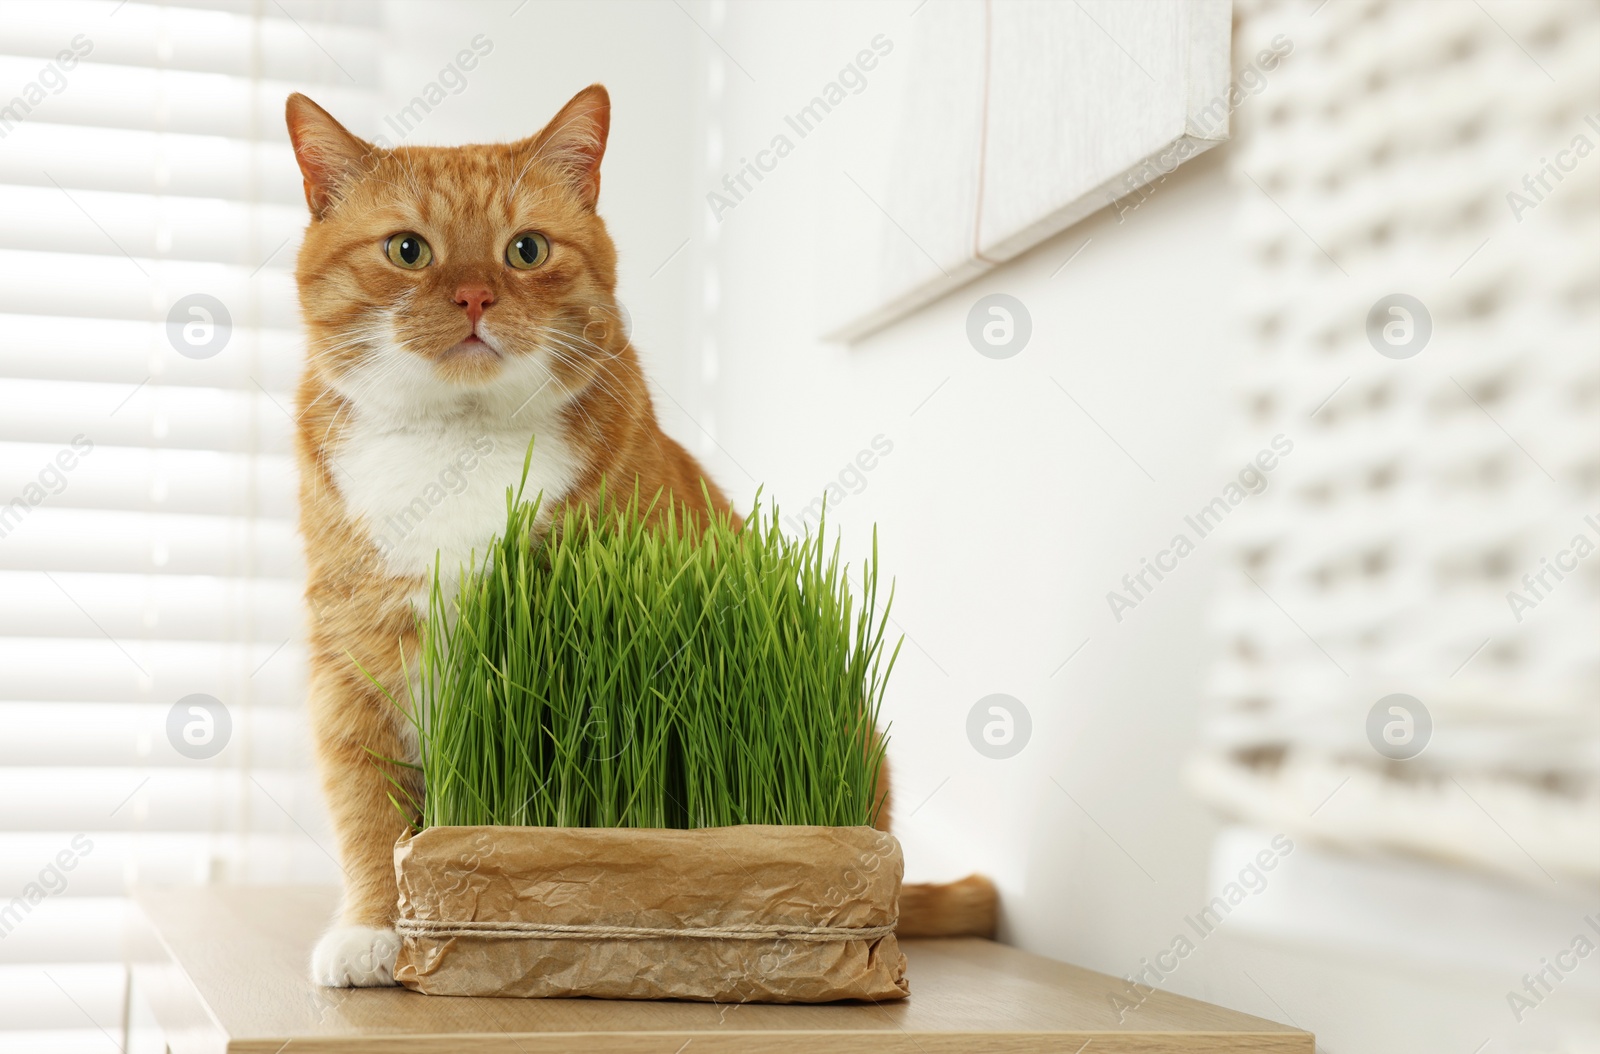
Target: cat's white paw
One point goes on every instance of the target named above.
(355, 957)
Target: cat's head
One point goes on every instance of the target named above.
(433, 275)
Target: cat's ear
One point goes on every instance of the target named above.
(575, 141)
(329, 156)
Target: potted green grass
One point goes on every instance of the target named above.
(650, 755)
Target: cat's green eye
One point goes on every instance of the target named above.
(408, 250)
(528, 250)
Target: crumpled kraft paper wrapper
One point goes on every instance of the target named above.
(751, 877)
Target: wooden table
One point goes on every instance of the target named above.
(224, 968)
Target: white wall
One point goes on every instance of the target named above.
(1005, 513)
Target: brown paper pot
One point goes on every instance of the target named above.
(731, 914)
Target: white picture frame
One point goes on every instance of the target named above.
(1014, 120)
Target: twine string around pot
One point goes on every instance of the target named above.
(508, 930)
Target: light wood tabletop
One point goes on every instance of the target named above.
(224, 969)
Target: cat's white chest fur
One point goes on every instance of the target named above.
(439, 486)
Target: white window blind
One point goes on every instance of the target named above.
(147, 543)
(1432, 482)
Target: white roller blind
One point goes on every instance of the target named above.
(147, 543)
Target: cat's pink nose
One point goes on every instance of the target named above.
(474, 298)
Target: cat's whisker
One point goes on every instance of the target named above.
(558, 351)
(565, 341)
(635, 411)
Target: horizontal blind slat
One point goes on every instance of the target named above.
(123, 734)
(166, 607)
(101, 95)
(133, 799)
(65, 1040)
(129, 352)
(141, 287)
(85, 670)
(161, 858)
(42, 154)
(118, 542)
(306, 12)
(199, 230)
(219, 38)
(41, 1018)
(62, 929)
(96, 415)
(197, 482)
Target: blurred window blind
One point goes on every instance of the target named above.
(147, 542)
(1426, 489)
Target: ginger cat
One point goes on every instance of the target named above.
(457, 301)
